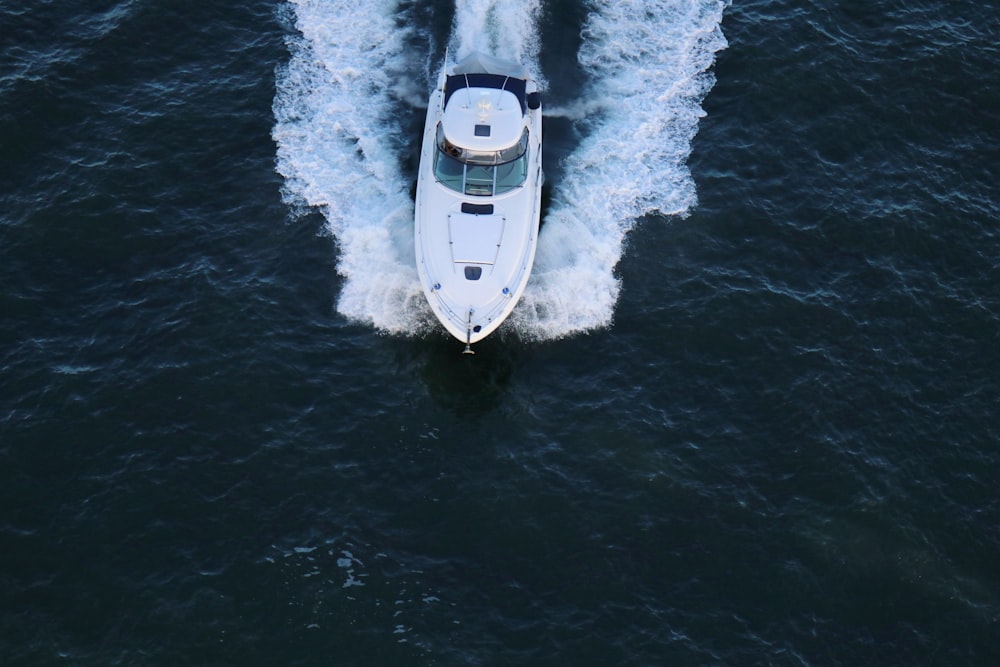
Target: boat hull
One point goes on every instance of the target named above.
(475, 249)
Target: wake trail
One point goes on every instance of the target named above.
(340, 143)
(507, 29)
(648, 69)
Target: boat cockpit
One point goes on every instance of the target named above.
(480, 172)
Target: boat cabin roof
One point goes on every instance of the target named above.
(483, 119)
(514, 85)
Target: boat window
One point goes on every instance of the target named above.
(449, 171)
(478, 180)
(481, 173)
(473, 272)
(511, 174)
(470, 156)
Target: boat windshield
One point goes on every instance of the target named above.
(482, 173)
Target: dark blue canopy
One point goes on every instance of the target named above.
(482, 80)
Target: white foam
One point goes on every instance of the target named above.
(338, 149)
(339, 144)
(507, 29)
(648, 65)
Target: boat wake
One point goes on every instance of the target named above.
(507, 30)
(648, 70)
(339, 136)
(345, 98)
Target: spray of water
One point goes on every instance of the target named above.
(647, 65)
(340, 144)
(338, 149)
(507, 29)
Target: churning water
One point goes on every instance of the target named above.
(359, 72)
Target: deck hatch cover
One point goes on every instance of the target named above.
(475, 239)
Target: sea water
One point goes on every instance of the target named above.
(746, 413)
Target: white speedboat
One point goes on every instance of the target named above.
(478, 198)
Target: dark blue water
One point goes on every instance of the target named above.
(747, 414)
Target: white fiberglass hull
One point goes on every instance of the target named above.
(476, 239)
